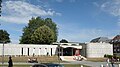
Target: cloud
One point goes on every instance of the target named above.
(84, 35)
(15, 19)
(112, 7)
(73, 32)
(20, 11)
(59, 0)
(14, 39)
(118, 23)
(72, 1)
(96, 4)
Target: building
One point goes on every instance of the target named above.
(100, 40)
(65, 49)
(27, 49)
(98, 47)
(90, 50)
(98, 50)
(116, 45)
(69, 49)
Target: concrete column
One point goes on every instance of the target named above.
(79, 52)
(62, 51)
(72, 51)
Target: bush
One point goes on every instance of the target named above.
(108, 56)
(105, 55)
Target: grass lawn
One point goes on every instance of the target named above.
(97, 59)
(17, 65)
(41, 59)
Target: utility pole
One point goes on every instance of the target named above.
(3, 54)
(59, 53)
(3, 41)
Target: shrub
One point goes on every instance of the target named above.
(108, 56)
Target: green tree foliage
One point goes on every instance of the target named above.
(52, 26)
(43, 35)
(63, 41)
(34, 24)
(4, 36)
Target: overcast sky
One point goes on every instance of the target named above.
(77, 20)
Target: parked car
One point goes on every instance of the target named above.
(34, 60)
(47, 65)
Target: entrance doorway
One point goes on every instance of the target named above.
(67, 51)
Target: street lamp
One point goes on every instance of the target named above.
(3, 54)
(59, 53)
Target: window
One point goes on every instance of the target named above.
(51, 51)
(28, 51)
(22, 52)
(114, 50)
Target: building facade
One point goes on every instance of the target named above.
(90, 50)
(94, 50)
(116, 45)
(27, 49)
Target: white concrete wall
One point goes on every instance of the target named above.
(16, 49)
(95, 50)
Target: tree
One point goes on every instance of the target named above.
(34, 24)
(63, 41)
(43, 35)
(53, 26)
(4, 36)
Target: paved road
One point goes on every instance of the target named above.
(87, 63)
(92, 64)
